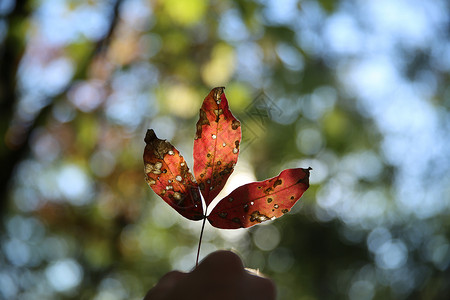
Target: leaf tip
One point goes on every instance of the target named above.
(217, 92)
(149, 136)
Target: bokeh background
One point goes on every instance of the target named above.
(357, 90)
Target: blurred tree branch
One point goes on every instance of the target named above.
(10, 57)
(11, 53)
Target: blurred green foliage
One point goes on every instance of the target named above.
(359, 96)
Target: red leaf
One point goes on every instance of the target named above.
(257, 202)
(168, 175)
(216, 144)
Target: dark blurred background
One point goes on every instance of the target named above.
(357, 90)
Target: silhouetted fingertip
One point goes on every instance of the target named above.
(222, 260)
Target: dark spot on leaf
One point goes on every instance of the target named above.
(223, 214)
(219, 163)
(292, 197)
(303, 180)
(203, 120)
(230, 199)
(236, 220)
(268, 190)
(227, 170)
(259, 187)
(269, 200)
(246, 207)
(285, 210)
(276, 206)
(208, 155)
(202, 186)
(202, 175)
(235, 124)
(277, 183)
(164, 171)
(258, 217)
(236, 143)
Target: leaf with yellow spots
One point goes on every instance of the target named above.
(168, 175)
(216, 144)
(257, 202)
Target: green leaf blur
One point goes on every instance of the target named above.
(359, 91)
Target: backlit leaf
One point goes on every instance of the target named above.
(216, 144)
(257, 202)
(168, 175)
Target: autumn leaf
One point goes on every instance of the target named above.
(168, 175)
(258, 202)
(216, 144)
(216, 149)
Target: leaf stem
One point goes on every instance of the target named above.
(200, 241)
